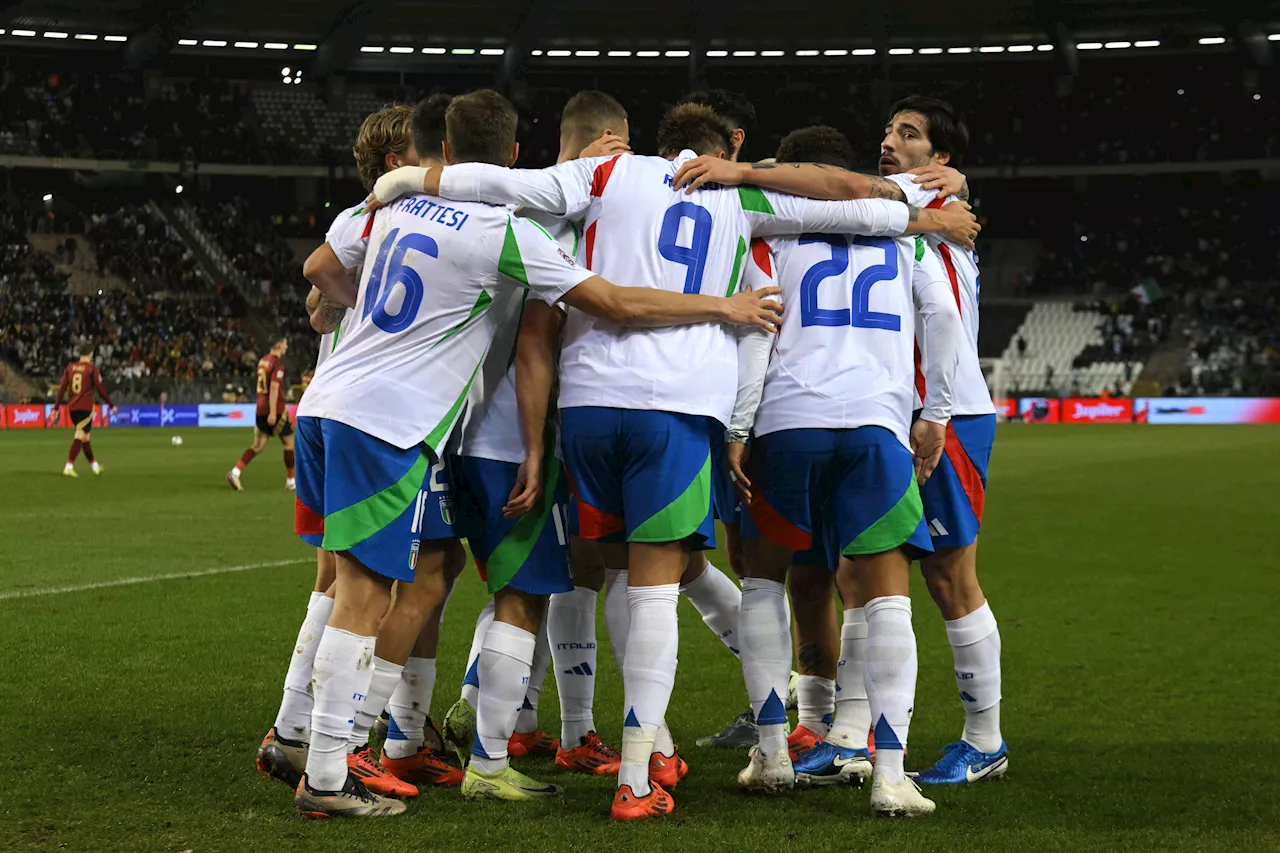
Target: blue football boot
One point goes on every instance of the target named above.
(962, 763)
(828, 764)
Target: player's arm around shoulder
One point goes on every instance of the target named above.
(811, 180)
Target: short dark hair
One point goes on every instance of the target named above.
(693, 126)
(731, 106)
(481, 128)
(946, 131)
(86, 349)
(818, 144)
(589, 113)
(276, 340)
(428, 124)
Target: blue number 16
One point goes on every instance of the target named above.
(860, 316)
(693, 256)
(397, 272)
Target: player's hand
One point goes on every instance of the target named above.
(115, 410)
(608, 143)
(946, 180)
(927, 442)
(706, 169)
(527, 491)
(959, 225)
(754, 308)
(271, 419)
(735, 454)
(403, 181)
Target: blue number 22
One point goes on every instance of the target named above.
(861, 316)
(397, 272)
(693, 256)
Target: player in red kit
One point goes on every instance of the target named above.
(272, 415)
(80, 382)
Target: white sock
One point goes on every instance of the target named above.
(505, 658)
(571, 635)
(386, 675)
(662, 743)
(816, 701)
(648, 673)
(293, 721)
(471, 682)
(617, 612)
(717, 600)
(528, 719)
(853, 711)
(975, 646)
(343, 670)
(891, 679)
(409, 707)
(766, 659)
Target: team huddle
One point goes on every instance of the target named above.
(578, 370)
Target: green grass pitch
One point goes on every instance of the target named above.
(1133, 571)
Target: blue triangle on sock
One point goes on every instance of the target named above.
(631, 719)
(526, 706)
(885, 738)
(476, 749)
(473, 674)
(828, 719)
(772, 712)
(735, 651)
(393, 730)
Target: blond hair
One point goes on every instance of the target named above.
(387, 131)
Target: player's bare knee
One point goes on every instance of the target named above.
(697, 565)
(952, 579)
(521, 609)
(734, 549)
(766, 560)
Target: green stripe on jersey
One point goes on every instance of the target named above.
(893, 528)
(348, 527)
(337, 332)
(682, 516)
(359, 210)
(510, 263)
(577, 235)
(483, 301)
(919, 248)
(753, 198)
(436, 437)
(737, 267)
(513, 551)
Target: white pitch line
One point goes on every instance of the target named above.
(58, 590)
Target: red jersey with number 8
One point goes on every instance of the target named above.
(80, 381)
(270, 370)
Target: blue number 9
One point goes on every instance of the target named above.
(693, 256)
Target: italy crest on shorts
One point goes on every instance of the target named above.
(446, 510)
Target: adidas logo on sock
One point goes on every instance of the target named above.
(581, 669)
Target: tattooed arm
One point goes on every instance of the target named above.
(325, 314)
(811, 180)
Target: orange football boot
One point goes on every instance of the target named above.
(591, 756)
(667, 770)
(628, 806)
(360, 765)
(802, 740)
(424, 767)
(532, 743)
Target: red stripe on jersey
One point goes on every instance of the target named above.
(368, 226)
(760, 254)
(937, 202)
(966, 472)
(920, 384)
(306, 521)
(484, 572)
(590, 237)
(601, 177)
(945, 251)
(775, 526)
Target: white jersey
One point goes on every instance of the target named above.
(347, 236)
(843, 358)
(641, 233)
(972, 397)
(408, 357)
(491, 426)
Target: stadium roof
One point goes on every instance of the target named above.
(341, 28)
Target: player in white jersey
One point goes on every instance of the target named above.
(635, 405)
(921, 138)
(923, 134)
(501, 440)
(375, 420)
(385, 142)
